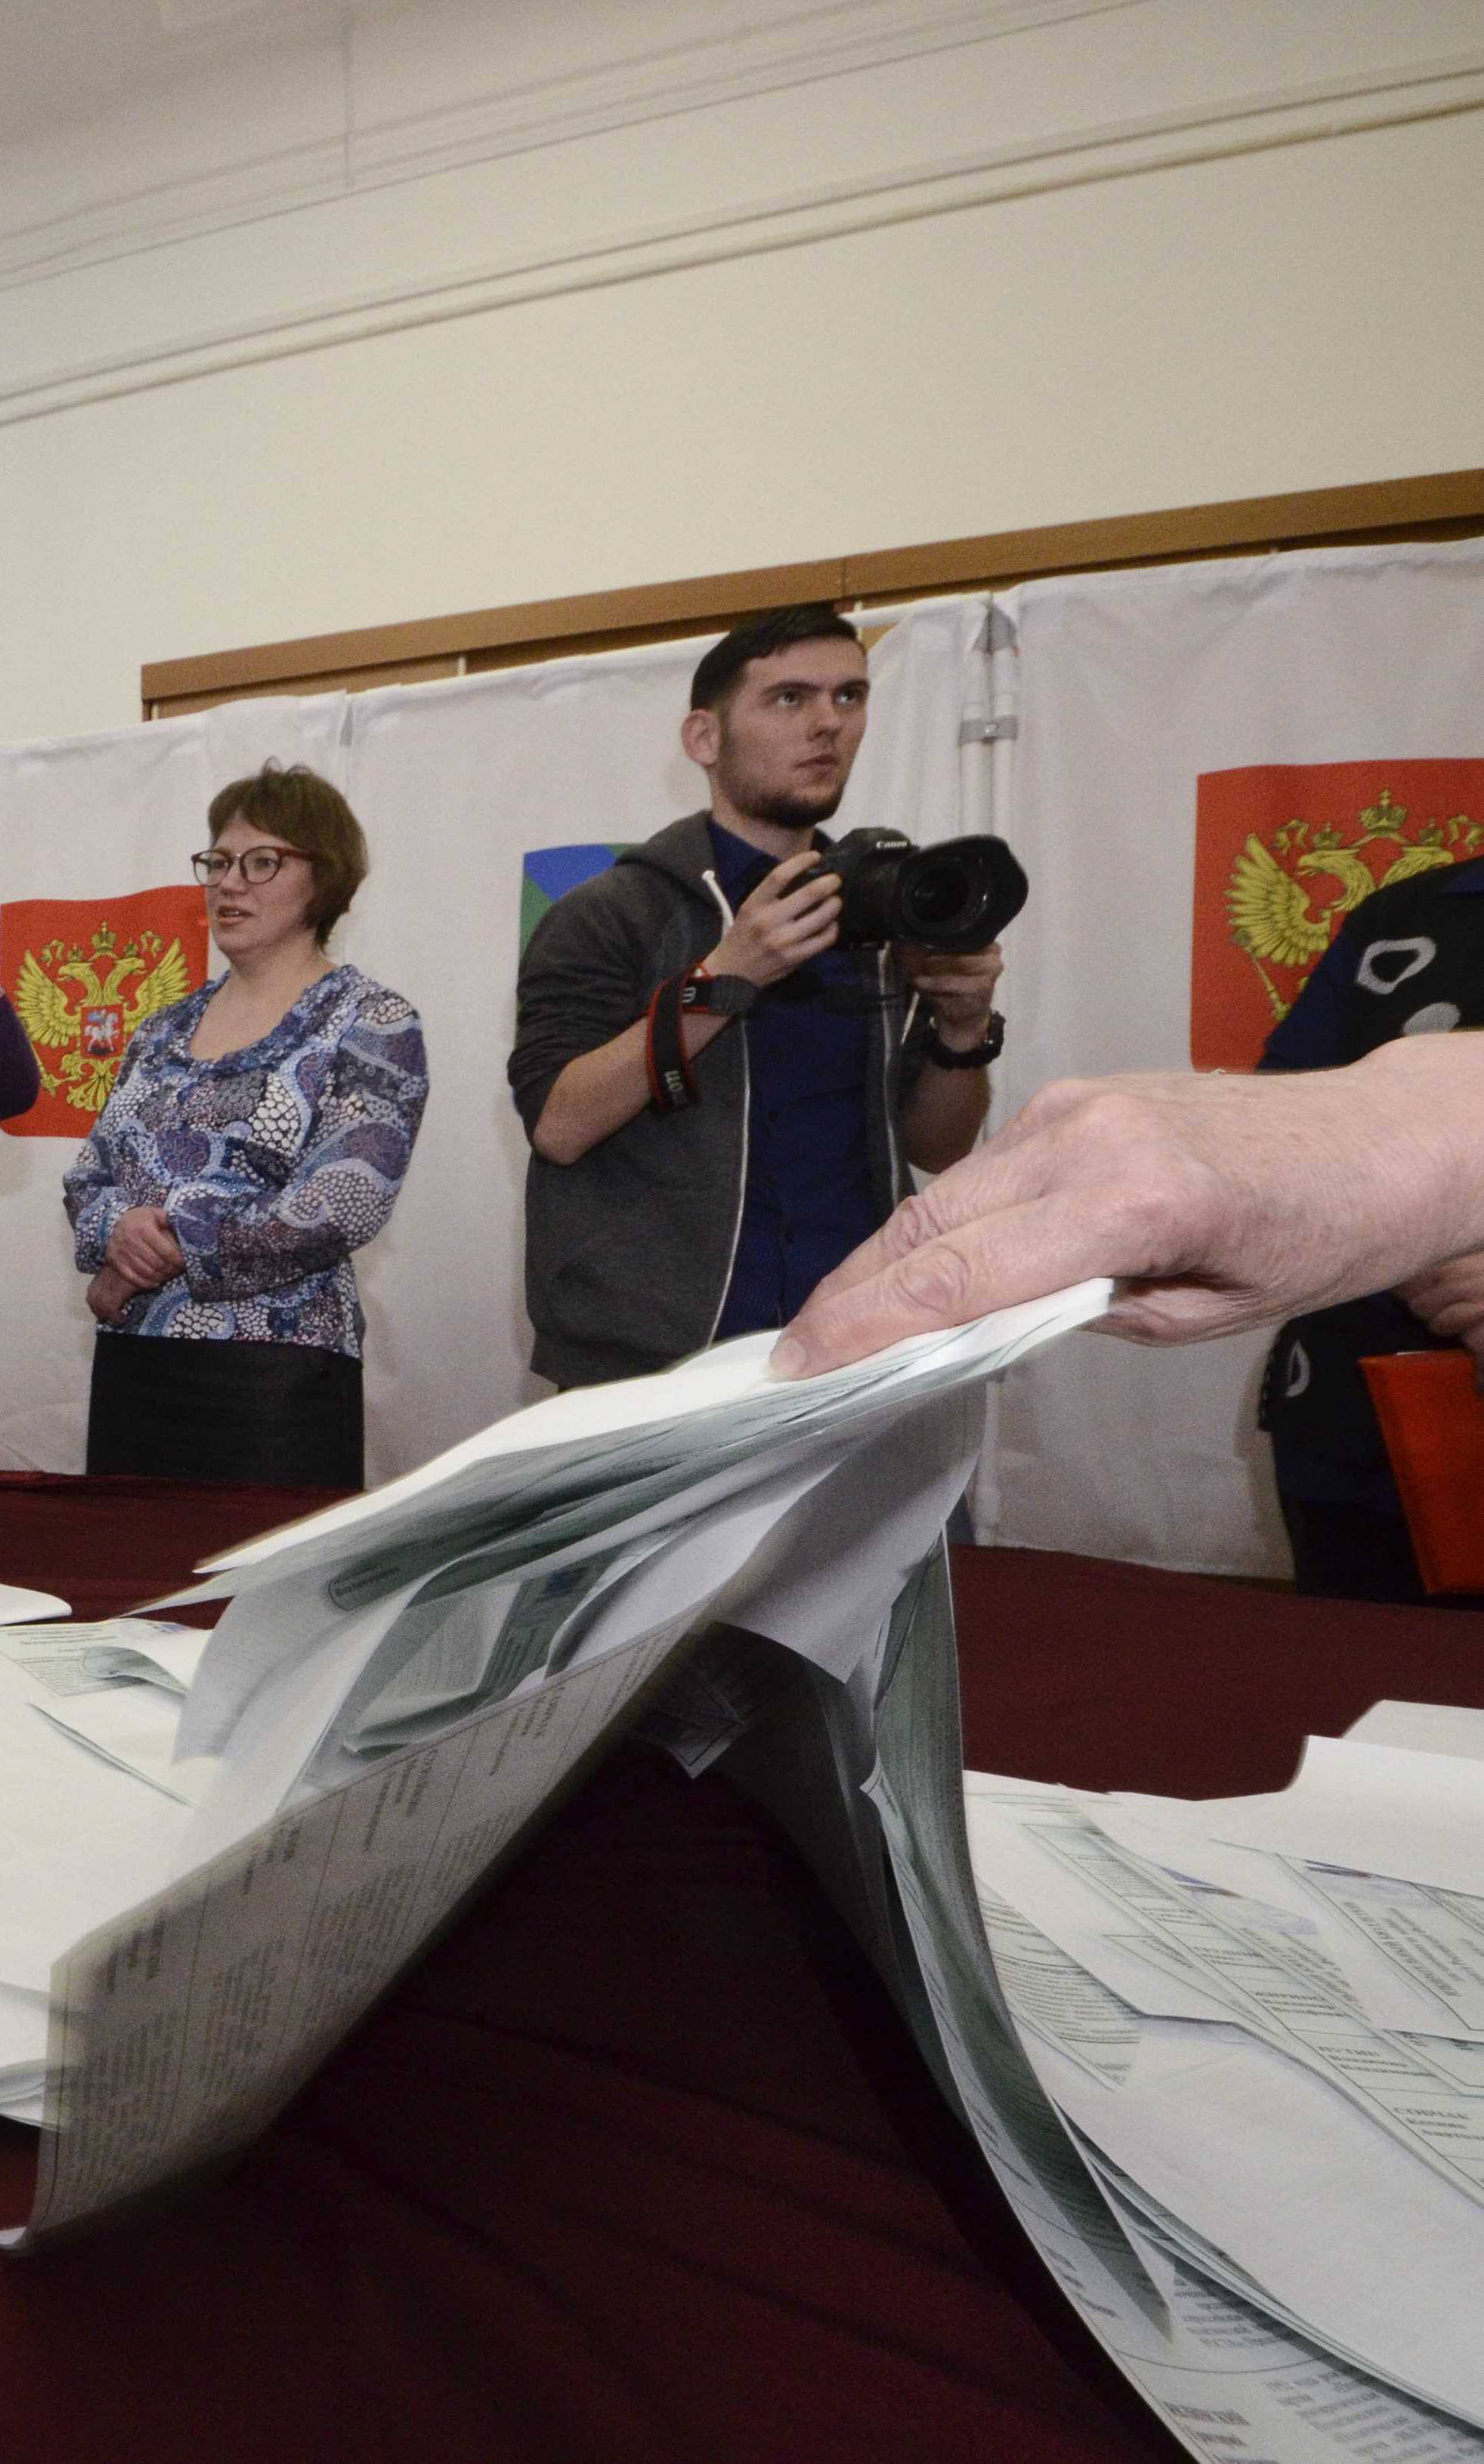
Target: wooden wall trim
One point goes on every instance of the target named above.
(1306, 517)
(1438, 504)
(693, 602)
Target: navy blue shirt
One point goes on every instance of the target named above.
(808, 1198)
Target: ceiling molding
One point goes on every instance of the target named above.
(696, 76)
(815, 43)
(187, 207)
(1254, 124)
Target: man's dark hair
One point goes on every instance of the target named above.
(758, 637)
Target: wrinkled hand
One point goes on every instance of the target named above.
(1449, 1299)
(108, 1295)
(144, 1249)
(1219, 1203)
(781, 925)
(960, 986)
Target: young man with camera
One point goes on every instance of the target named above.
(722, 1097)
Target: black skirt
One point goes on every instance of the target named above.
(289, 1415)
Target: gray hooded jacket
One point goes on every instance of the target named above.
(629, 1250)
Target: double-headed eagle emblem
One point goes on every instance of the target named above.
(82, 1006)
(1273, 912)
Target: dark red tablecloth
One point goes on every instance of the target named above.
(639, 2163)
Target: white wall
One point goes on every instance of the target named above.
(482, 306)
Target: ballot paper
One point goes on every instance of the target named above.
(17, 1606)
(79, 1837)
(180, 2030)
(331, 1620)
(398, 1686)
(23, 2045)
(640, 1442)
(69, 1658)
(135, 1727)
(1423, 1727)
(1191, 2020)
(305, 1920)
(1232, 2375)
(1379, 1809)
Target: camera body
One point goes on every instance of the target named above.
(959, 895)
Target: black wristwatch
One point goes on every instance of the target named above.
(719, 996)
(944, 1057)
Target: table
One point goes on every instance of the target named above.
(640, 2162)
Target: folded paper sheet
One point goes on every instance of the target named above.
(398, 1685)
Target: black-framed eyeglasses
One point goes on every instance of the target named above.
(259, 863)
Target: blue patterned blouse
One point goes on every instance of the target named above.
(273, 1163)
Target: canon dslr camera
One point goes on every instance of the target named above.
(956, 897)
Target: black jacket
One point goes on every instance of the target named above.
(1409, 959)
(629, 1250)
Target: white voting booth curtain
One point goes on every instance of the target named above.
(457, 784)
(1165, 718)
(1325, 705)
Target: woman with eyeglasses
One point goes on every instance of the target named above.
(257, 1132)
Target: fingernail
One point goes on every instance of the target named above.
(788, 1357)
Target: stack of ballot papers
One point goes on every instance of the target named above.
(78, 1831)
(1260, 2022)
(1228, 2081)
(214, 1855)
(1226, 2059)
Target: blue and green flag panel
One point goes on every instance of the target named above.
(550, 872)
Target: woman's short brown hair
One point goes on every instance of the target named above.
(306, 812)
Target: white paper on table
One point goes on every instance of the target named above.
(1421, 1728)
(167, 1653)
(1377, 1809)
(1308, 2198)
(1273, 2393)
(1432, 1942)
(135, 1729)
(1170, 1831)
(17, 1607)
(1288, 1991)
(1068, 2035)
(1009, 1866)
(1211, 2365)
(79, 1839)
(1291, 1995)
(69, 1658)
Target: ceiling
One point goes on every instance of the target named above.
(65, 60)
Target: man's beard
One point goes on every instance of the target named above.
(793, 813)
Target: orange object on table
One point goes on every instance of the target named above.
(1432, 1422)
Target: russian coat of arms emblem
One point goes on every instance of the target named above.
(1284, 853)
(82, 975)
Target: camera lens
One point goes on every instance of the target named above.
(952, 897)
(940, 895)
